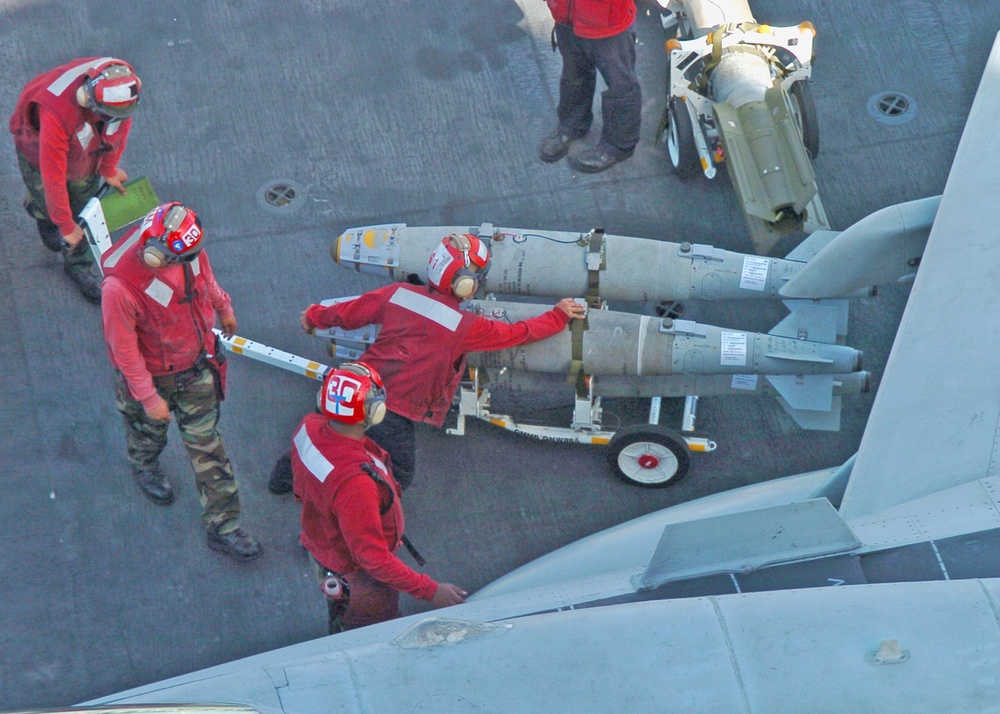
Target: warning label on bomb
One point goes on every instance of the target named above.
(754, 275)
(733, 349)
(744, 381)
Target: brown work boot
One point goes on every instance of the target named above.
(237, 543)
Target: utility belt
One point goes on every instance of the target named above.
(215, 363)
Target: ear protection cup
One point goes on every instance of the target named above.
(81, 96)
(465, 284)
(152, 256)
(375, 410)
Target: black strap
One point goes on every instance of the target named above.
(377, 478)
(188, 286)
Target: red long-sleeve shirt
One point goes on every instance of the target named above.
(342, 523)
(53, 163)
(421, 347)
(122, 311)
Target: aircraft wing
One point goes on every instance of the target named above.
(935, 422)
(821, 649)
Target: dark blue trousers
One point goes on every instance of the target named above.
(396, 435)
(621, 102)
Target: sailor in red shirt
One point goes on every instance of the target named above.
(421, 347)
(70, 127)
(352, 518)
(595, 36)
(160, 303)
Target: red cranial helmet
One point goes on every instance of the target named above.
(458, 266)
(170, 233)
(353, 394)
(112, 89)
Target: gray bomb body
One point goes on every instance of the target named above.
(518, 382)
(618, 343)
(555, 263)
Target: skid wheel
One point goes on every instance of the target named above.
(804, 111)
(648, 455)
(680, 141)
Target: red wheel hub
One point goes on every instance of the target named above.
(648, 461)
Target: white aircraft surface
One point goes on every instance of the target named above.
(874, 585)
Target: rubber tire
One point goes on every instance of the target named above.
(804, 111)
(631, 441)
(679, 138)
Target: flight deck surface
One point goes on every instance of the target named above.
(372, 113)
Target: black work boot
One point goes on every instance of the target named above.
(237, 543)
(49, 234)
(154, 484)
(90, 287)
(281, 475)
(554, 147)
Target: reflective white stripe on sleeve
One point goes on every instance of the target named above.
(434, 311)
(73, 73)
(312, 458)
(160, 291)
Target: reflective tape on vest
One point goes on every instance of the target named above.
(74, 73)
(159, 291)
(310, 456)
(112, 260)
(447, 317)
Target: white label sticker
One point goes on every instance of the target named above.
(744, 381)
(754, 275)
(733, 349)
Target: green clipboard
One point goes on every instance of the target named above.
(121, 210)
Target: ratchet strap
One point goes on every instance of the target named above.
(595, 264)
(595, 261)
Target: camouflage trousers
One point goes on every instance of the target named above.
(192, 399)
(81, 191)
